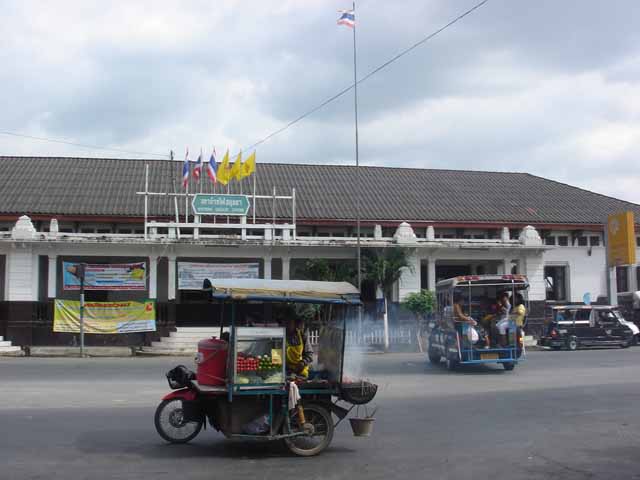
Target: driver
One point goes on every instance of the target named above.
(299, 351)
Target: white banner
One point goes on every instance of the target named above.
(191, 275)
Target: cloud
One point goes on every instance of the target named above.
(545, 87)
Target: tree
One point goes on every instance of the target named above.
(421, 304)
(384, 268)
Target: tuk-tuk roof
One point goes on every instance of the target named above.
(302, 291)
(520, 281)
(585, 307)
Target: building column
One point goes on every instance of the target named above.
(431, 273)
(52, 276)
(286, 261)
(22, 275)
(533, 268)
(632, 279)
(267, 267)
(410, 278)
(153, 277)
(505, 267)
(171, 277)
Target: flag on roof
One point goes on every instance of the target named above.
(236, 169)
(198, 169)
(347, 18)
(185, 170)
(249, 166)
(223, 170)
(211, 172)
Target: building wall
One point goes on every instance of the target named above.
(586, 271)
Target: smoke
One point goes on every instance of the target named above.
(355, 358)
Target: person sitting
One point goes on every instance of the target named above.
(519, 311)
(299, 352)
(503, 320)
(468, 323)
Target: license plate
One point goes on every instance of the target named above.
(488, 356)
(562, 331)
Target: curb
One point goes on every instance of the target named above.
(75, 351)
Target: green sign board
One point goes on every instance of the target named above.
(206, 204)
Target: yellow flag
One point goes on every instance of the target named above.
(223, 173)
(236, 169)
(249, 165)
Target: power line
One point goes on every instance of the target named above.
(292, 122)
(368, 75)
(82, 145)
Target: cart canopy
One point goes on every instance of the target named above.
(282, 290)
(519, 282)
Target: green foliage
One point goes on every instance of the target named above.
(420, 303)
(321, 269)
(384, 266)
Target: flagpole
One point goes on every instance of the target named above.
(355, 105)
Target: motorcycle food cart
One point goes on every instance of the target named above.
(242, 388)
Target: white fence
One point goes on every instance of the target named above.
(374, 336)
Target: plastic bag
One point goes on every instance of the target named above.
(258, 426)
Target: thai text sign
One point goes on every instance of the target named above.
(192, 275)
(621, 239)
(105, 317)
(122, 276)
(206, 204)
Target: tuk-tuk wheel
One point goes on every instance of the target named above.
(572, 344)
(625, 344)
(321, 433)
(508, 366)
(452, 364)
(434, 357)
(171, 425)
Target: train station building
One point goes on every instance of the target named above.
(60, 211)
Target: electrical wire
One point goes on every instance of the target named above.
(292, 122)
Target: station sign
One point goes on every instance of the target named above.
(621, 239)
(220, 204)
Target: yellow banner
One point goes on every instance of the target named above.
(105, 317)
(621, 239)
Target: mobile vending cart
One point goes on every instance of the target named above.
(246, 393)
(449, 339)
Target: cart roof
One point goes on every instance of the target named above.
(282, 290)
(519, 281)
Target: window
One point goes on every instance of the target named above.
(555, 280)
(563, 241)
(479, 237)
(104, 230)
(550, 241)
(124, 230)
(87, 230)
(582, 241)
(595, 241)
(622, 279)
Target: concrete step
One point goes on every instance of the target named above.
(11, 351)
(75, 351)
(198, 330)
(166, 351)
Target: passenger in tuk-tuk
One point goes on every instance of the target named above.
(503, 320)
(299, 351)
(519, 311)
(468, 323)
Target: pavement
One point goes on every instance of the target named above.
(565, 415)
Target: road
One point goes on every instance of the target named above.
(565, 415)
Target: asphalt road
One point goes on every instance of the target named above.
(565, 415)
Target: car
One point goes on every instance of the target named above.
(575, 326)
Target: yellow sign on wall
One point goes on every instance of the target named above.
(621, 239)
(105, 317)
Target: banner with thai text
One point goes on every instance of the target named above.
(191, 275)
(105, 317)
(112, 276)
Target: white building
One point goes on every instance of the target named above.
(54, 210)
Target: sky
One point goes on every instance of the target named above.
(546, 87)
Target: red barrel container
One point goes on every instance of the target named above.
(212, 361)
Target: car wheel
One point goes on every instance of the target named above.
(434, 357)
(572, 344)
(635, 340)
(508, 366)
(626, 344)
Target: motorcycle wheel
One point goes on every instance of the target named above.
(171, 425)
(320, 435)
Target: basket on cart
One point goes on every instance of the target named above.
(358, 393)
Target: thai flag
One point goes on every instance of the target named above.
(211, 171)
(347, 17)
(198, 169)
(185, 170)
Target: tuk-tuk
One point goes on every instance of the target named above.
(575, 326)
(246, 390)
(483, 336)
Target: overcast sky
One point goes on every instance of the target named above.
(548, 87)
